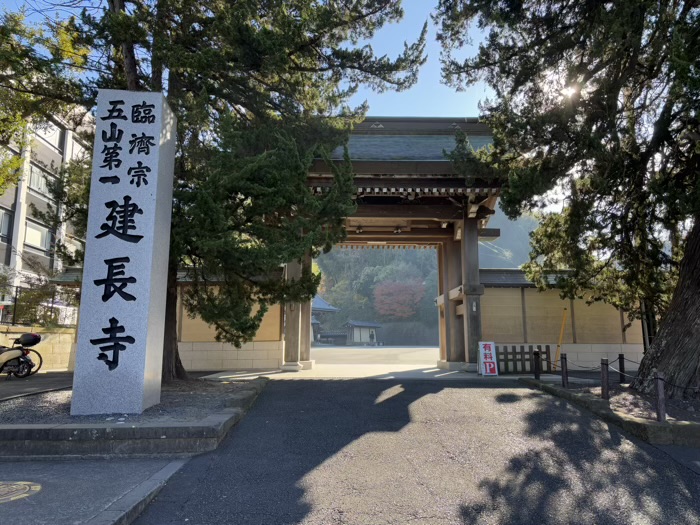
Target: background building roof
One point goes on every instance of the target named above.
(510, 278)
(318, 304)
(411, 138)
(362, 324)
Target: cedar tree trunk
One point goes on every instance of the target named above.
(172, 366)
(675, 350)
(127, 49)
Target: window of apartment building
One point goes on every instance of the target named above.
(5, 225)
(73, 244)
(38, 180)
(37, 237)
(51, 134)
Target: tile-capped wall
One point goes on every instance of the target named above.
(203, 356)
(590, 354)
(57, 347)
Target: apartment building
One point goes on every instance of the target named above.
(25, 242)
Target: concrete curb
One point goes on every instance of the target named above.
(127, 508)
(112, 440)
(683, 433)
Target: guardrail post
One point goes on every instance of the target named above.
(604, 384)
(621, 362)
(660, 397)
(564, 371)
(537, 364)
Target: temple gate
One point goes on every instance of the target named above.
(408, 194)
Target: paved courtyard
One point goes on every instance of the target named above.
(378, 362)
(425, 452)
(391, 355)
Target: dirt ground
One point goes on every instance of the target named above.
(624, 399)
(189, 400)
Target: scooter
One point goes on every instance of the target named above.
(15, 359)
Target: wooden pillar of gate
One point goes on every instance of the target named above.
(454, 333)
(442, 295)
(472, 290)
(292, 325)
(305, 326)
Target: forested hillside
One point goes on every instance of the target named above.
(512, 248)
(397, 287)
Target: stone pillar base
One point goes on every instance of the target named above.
(292, 367)
(451, 365)
(307, 365)
(456, 365)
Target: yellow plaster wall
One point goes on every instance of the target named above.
(501, 315)
(543, 312)
(597, 323)
(196, 330)
(633, 334)
(271, 326)
(501, 318)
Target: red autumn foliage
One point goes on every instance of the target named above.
(398, 300)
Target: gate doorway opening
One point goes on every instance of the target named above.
(376, 305)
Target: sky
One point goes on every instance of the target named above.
(429, 97)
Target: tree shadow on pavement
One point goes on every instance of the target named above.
(257, 475)
(583, 471)
(320, 452)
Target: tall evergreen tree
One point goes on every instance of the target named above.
(260, 89)
(598, 102)
(40, 71)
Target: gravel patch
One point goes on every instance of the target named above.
(628, 401)
(185, 401)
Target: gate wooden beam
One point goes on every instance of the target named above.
(408, 211)
(423, 234)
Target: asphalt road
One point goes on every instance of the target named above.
(40, 382)
(417, 452)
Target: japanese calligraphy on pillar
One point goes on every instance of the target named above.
(120, 336)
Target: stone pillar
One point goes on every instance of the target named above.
(122, 302)
(454, 359)
(472, 290)
(292, 326)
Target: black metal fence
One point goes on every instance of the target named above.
(40, 305)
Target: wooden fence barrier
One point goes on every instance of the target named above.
(519, 359)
